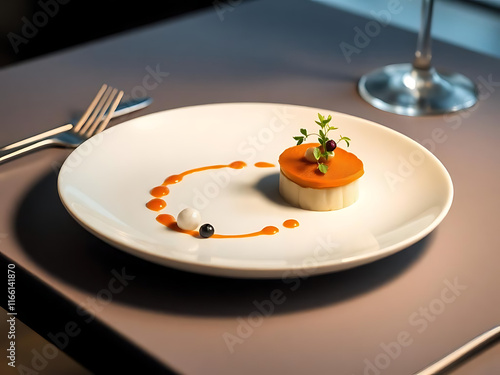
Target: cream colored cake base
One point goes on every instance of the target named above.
(327, 199)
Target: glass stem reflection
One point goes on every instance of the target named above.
(423, 54)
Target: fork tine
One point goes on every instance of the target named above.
(96, 110)
(110, 106)
(89, 110)
(105, 121)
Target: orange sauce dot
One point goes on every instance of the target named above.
(165, 219)
(291, 223)
(159, 191)
(156, 204)
(270, 230)
(173, 179)
(263, 164)
(170, 222)
(237, 164)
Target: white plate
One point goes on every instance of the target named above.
(405, 192)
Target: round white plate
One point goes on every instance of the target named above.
(105, 183)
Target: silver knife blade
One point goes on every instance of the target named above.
(131, 106)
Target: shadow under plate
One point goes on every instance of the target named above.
(53, 239)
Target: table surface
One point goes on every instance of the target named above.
(343, 323)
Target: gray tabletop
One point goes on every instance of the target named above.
(394, 316)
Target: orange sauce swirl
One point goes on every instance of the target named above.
(169, 222)
(174, 179)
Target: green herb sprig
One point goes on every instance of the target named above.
(322, 150)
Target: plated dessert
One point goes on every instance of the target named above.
(319, 176)
(313, 176)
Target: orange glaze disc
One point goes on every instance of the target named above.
(343, 168)
(169, 222)
(156, 204)
(291, 223)
(263, 164)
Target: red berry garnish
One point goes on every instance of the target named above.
(331, 145)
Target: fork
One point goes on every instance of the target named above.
(460, 354)
(94, 120)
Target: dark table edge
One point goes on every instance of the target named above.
(96, 347)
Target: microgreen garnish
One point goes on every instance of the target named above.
(326, 145)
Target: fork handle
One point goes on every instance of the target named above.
(463, 352)
(39, 137)
(7, 154)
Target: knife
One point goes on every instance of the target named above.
(131, 106)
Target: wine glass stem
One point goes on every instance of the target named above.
(423, 55)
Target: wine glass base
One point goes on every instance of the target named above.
(406, 90)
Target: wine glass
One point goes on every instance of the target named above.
(418, 89)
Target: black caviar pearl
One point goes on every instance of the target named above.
(207, 230)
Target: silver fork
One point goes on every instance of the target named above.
(94, 120)
(462, 353)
